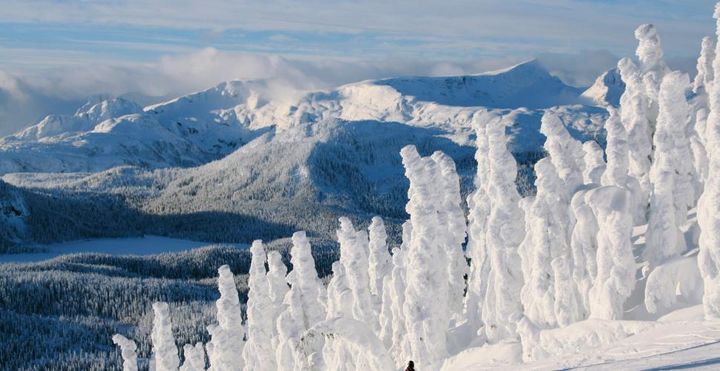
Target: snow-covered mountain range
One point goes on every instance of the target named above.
(238, 149)
(208, 125)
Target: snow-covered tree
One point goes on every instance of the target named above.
(400, 349)
(635, 117)
(259, 352)
(652, 64)
(426, 308)
(386, 316)
(194, 358)
(305, 304)
(583, 243)
(479, 210)
(505, 232)
(128, 350)
(615, 277)
(354, 258)
(709, 203)
(705, 73)
(699, 112)
(339, 297)
(672, 192)
(227, 336)
(616, 171)
(594, 162)
(165, 352)
(538, 294)
(379, 259)
(277, 284)
(452, 231)
(565, 152)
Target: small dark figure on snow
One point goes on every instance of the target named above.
(411, 366)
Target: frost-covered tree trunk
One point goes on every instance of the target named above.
(426, 295)
(227, 336)
(378, 260)
(353, 256)
(452, 231)
(709, 203)
(672, 192)
(128, 350)
(594, 162)
(259, 353)
(479, 210)
(165, 352)
(615, 277)
(697, 130)
(505, 232)
(194, 358)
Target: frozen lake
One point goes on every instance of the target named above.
(147, 245)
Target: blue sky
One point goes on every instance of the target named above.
(63, 50)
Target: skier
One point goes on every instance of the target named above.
(411, 366)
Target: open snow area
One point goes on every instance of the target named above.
(147, 245)
(679, 340)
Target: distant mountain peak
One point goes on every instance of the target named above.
(607, 89)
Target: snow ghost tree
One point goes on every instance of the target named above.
(705, 74)
(479, 210)
(378, 260)
(583, 243)
(305, 304)
(340, 298)
(616, 171)
(615, 277)
(709, 203)
(354, 258)
(165, 353)
(128, 350)
(277, 285)
(634, 115)
(652, 65)
(400, 348)
(549, 295)
(565, 152)
(426, 307)
(452, 231)
(671, 186)
(227, 336)
(505, 232)
(259, 351)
